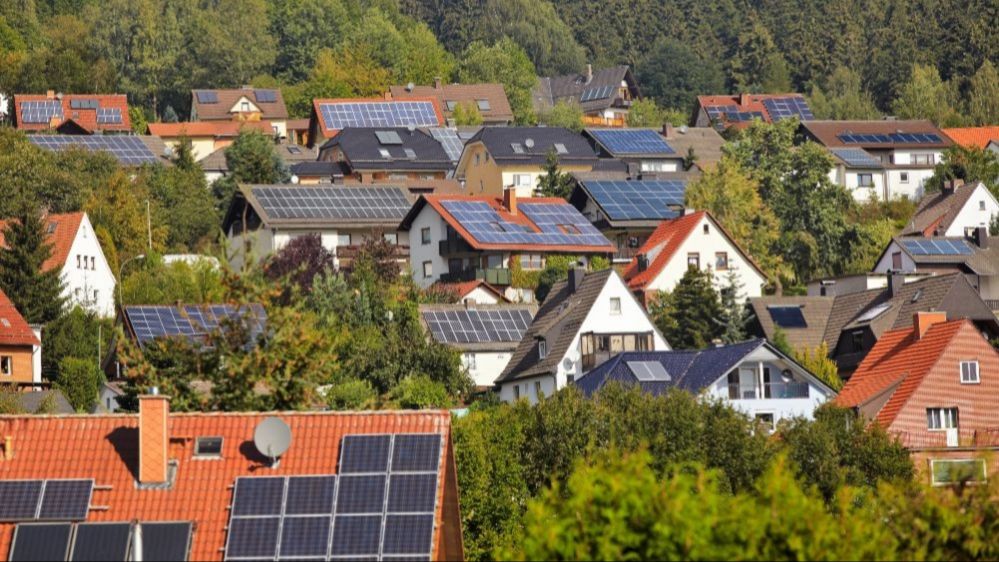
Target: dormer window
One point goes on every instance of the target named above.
(542, 348)
(483, 105)
(208, 447)
(245, 106)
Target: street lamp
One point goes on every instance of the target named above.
(121, 268)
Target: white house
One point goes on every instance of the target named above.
(584, 321)
(486, 335)
(242, 104)
(692, 240)
(476, 291)
(87, 278)
(955, 211)
(754, 377)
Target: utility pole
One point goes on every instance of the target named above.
(149, 226)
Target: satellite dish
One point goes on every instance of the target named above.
(272, 438)
(567, 364)
(411, 128)
(295, 179)
(529, 143)
(410, 86)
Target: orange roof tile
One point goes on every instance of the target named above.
(14, 330)
(743, 103)
(898, 358)
(85, 118)
(666, 240)
(207, 128)
(462, 289)
(973, 137)
(62, 230)
(106, 448)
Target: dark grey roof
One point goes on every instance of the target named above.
(937, 211)
(362, 149)
(319, 168)
(550, 90)
(499, 141)
(54, 400)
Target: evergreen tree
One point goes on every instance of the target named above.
(554, 183)
(927, 96)
(563, 114)
(734, 312)
(983, 95)
(36, 294)
(691, 315)
(183, 156)
(170, 115)
(842, 97)
(466, 114)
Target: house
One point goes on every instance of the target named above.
(206, 137)
(460, 237)
(933, 385)
(475, 291)
(208, 486)
(585, 320)
(263, 218)
(855, 283)
(692, 240)
(700, 147)
(604, 96)
(390, 153)
(86, 275)
(627, 212)
(977, 257)
(497, 158)
(485, 335)
(72, 114)
(131, 151)
(973, 137)
(883, 159)
(739, 110)
(44, 402)
(242, 104)
(754, 377)
(20, 347)
(644, 150)
(850, 324)
(489, 100)
(330, 116)
(957, 210)
(294, 155)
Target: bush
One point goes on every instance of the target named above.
(418, 392)
(351, 394)
(80, 380)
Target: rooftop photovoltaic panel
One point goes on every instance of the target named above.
(785, 108)
(597, 93)
(408, 534)
(361, 493)
(357, 536)
(638, 199)
(787, 316)
(41, 111)
(741, 116)
(19, 499)
(40, 541)
(449, 139)
(340, 203)
(193, 321)
(265, 96)
(893, 138)
(560, 224)
(341, 115)
(166, 541)
(207, 97)
(416, 452)
(109, 116)
(857, 158)
(101, 541)
(648, 371)
(86, 103)
(130, 151)
(365, 453)
(632, 141)
(65, 500)
(489, 325)
(719, 111)
(310, 495)
(928, 247)
(388, 137)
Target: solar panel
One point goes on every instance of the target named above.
(597, 93)
(412, 493)
(253, 537)
(937, 247)
(873, 313)
(361, 494)
(416, 453)
(719, 111)
(191, 321)
(65, 500)
(40, 542)
(85, 103)
(310, 495)
(893, 138)
(340, 115)
(19, 499)
(787, 316)
(648, 371)
(788, 107)
(638, 199)
(41, 111)
(388, 137)
(857, 157)
(449, 139)
(488, 325)
(340, 203)
(101, 541)
(167, 542)
(632, 141)
(130, 151)
(305, 537)
(365, 453)
(109, 116)
(356, 535)
(559, 224)
(258, 496)
(207, 97)
(408, 534)
(265, 96)
(741, 116)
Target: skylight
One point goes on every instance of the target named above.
(874, 312)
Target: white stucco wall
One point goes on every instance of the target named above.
(850, 179)
(420, 252)
(978, 211)
(528, 389)
(485, 366)
(522, 190)
(267, 241)
(885, 263)
(90, 287)
(479, 295)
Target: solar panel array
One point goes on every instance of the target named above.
(109, 116)
(40, 111)
(938, 247)
(382, 203)
(265, 96)
(740, 116)
(857, 157)
(560, 224)
(489, 325)
(638, 199)
(648, 371)
(388, 137)
(130, 151)
(165, 541)
(380, 506)
(85, 103)
(192, 321)
(909, 138)
(449, 139)
(785, 108)
(787, 316)
(341, 115)
(632, 141)
(719, 111)
(45, 500)
(598, 93)
(207, 97)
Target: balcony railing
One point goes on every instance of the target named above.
(626, 254)
(993, 304)
(493, 276)
(773, 390)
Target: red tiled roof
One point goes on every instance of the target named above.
(744, 103)
(14, 330)
(499, 106)
(462, 289)
(667, 237)
(329, 133)
(207, 128)
(973, 137)
(106, 448)
(898, 358)
(85, 118)
(62, 230)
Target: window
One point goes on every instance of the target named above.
(938, 419)
(923, 159)
(768, 421)
(721, 261)
(208, 447)
(560, 148)
(969, 372)
(531, 261)
(857, 340)
(656, 166)
(981, 205)
(865, 180)
(470, 360)
(385, 153)
(903, 177)
(483, 105)
(93, 263)
(615, 306)
(428, 269)
(78, 261)
(516, 392)
(477, 158)
(953, 471)
(274, 129)
(896, 260)
(96, 292)
(245, 106)
(694, 260)
(6, 365)
(343, 239)
(522, 180)
(542, 348)
(706, 229)
(391, 238)
(425, 236)
(451, 104)
(537, 390)
(517, 147)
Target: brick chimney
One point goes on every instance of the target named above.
(154, 415)
(981, 237)
(743, 99)
(576, 275)
(922, 321)
(50, 94)
(668, 130)
(589, 73)
(895, 281)
(510, 200)
(437, 83)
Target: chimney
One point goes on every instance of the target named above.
(981, 237)
(589, 73)
(895, 281)
(643, 262)
(388, 95)
(668, 130)
(922, 321)
(154, 414)
(576, 275)
(950, 186)
(717, 343)
(744, 99)
(510, 200)
(437, 83)
(50, 94)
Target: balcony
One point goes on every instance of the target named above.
(453, 245)
(993, 304)
(621, 102)
(492, 275)
(770, 390)
(626, 254)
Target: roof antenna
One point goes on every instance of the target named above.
(272, 439)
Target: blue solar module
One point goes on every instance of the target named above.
(719, 111)
(408, 534)
(253, 537)
(340, 115)
(101, 541)
(130, 151)
(361, 494)
(937, 247)
(207, 97)
(304, 537)
(597, 93)
(84, 103)
(365, 454)
(741, 116)
(893, 138)
(632, 141)
(341, 203)
(412, 493)
(192, 321)
(265, 96)
(65, 500)
(638, 199)
(258, 496)
(37, 112)
(416, 453)
(787, 316)
(857, 157)
(560, 224)
(19, 499)
(167, 542)
(356, 535)
(477, 326)
(40, 542)
(787, 107)
(449, 139)
(310, 495)
(109, 116)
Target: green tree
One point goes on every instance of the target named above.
(344, 72)
(118, 209)
(757, 64)
(674, 74)
(230, 43)
(841, 97)
(77, 333)
(970, 164)
(927, 96)
(504, 62)
(691, 315)
(251, 159)
(554, 182)
(302, 29)
(734, 313)
(466, 114)
(564, 114)
(646, 113)
(182, 195)
(420, 392)
(34, 291)
(817, 362)
(983, 95)
(351, 394)
(153, 282)
(80, 380)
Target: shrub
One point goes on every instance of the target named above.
(351, 394)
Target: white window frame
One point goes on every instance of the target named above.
(340, 239)
(977, 379)
(522, 180)
(428, 269)
(615, 306)
(903, 177)
(425, 236)
(978, 461)
(942, 419)
(542, 348)
(470, 362)
(862, 183)
(391, 238)
(199, 454)
(773, 418)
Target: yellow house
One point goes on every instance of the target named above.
(498, 158)
(19, 346)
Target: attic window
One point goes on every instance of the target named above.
(542, 348)
(208, 447)
(560, 148)
(451, 104)
(916, 296)
(294, 150)
(410, 153)
(517, 147)
(385, 153)
(483, 105)
(52, 227)
(388, 137)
